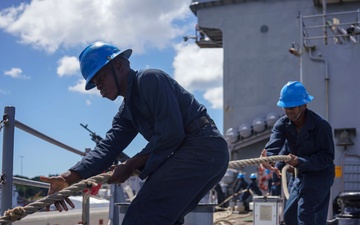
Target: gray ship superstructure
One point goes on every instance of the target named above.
(268, 43)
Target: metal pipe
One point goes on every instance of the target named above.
(301, 44)
(44, 137)
(324, 21)
(326, 80)
(32, 183)
(322, 26)
(8, 159)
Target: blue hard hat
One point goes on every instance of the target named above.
(96, 56)
(293, 94)
(241, 175)
(253, 176)
(267, 171)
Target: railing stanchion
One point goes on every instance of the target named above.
(8, 159)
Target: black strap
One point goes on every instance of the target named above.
(115, 77)
(198, 123)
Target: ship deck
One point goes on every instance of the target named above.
(233, 218)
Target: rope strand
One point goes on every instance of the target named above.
(20, 212)
(257, 161)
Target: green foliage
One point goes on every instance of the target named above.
(28, 193)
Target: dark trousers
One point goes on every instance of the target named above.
(178, 185)
(309, 199)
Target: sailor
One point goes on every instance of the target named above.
(311, 148)
(241, 184)
(185, 157)
(255, 190)
(253, 186)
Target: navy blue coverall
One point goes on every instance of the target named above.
(274, 185)
(253, 186)
(188, 154)
(241, 184)
(313, 145)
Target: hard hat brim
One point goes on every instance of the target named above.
(295, 104)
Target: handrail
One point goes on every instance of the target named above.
(8, 124)
(36, 133)
(336, 23)
(33, 183)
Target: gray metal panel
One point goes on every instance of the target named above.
(351, 173)
(256, 39)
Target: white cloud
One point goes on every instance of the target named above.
(68, 66)
(80, 88)
(200, 69)
(136, 24)
(16, 73)
(154, 25)
(215, 97)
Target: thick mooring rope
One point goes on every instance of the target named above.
(20, 212)
(257, 161)
(234, 195)
(284, 181)
(250, 162)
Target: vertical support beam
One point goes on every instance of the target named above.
(8, 159)
(86, 209)
(86, 202)
(302, 36)
(117, 196)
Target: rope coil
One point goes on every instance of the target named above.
(284, 180)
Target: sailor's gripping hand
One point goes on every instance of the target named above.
(121, 173)
(293, 161)
(57, 183)
(130, 167)
(269, 166)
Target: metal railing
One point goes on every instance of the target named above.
(330, 26)
(7, 125)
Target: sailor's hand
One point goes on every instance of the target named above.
(290, 169)
(293, 161)
(57, 183)
(121, 173)
(267, 165)
(277, 171)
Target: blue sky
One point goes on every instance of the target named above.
(40, 77)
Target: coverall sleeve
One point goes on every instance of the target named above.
(284, 151)
(161, 96)
(277, 139)
(104, 154)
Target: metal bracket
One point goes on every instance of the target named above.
(2, 180)
(3, 121)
